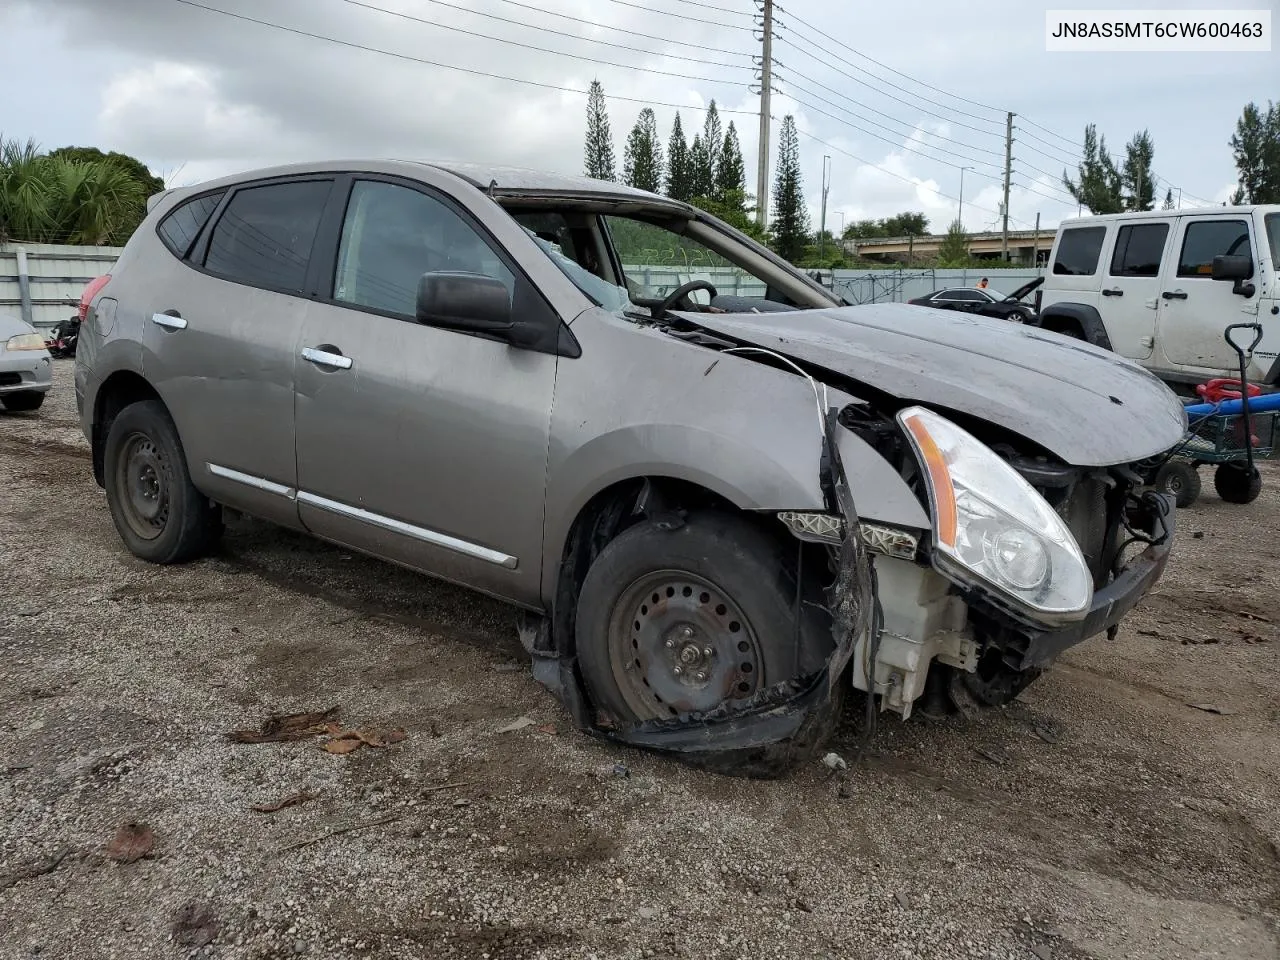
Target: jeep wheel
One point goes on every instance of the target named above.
(1179, 479)
(158, 512)
(1236, 483)
(674, 621)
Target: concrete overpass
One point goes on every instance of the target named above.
(1026, 247)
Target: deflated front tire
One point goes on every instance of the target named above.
(677, 619)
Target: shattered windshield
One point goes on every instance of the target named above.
(631, 264)
(601, 291)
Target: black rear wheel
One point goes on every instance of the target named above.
(158, 512)
(1237, 482)
(680, 621)
(22, 402)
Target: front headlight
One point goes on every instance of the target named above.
(25, 341)
(990, 525)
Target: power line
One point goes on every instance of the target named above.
(960, 143)
(594, 25)
(857, 53)
(558, 53)
(446, 66)
(895, 174)
(684, 16)
(871, 133)
(859, 80)
(928, 86)
(552, 30)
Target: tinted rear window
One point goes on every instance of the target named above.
(182, 225)
(1078, 251)
(264, 236)
(1139, 248)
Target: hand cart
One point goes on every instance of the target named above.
(1231, 433)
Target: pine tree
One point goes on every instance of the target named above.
(700, 183)
(642, 156)
(1098, 188)
(954, 249)
(1136, 176)
(790, 215)
(678, 186)
(1255, 147)
(713, 144)
(599, 146)
(731, 173)
(1168, 200)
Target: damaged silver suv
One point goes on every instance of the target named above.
(721, 496)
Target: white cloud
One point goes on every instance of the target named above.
(213, 94)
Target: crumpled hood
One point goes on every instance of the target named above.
(1086, 405)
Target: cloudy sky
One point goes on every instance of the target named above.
(900, 96)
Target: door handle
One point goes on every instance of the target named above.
(1117, 292)
(170, 318)
(326, 358)
(1174, 295)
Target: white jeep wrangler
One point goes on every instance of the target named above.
(1160, 287)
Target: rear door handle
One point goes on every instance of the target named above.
(1174, 295)
(1113, 293)
(170, 318)
(326, 358)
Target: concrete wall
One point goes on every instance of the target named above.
(859, 286)
(42, 282)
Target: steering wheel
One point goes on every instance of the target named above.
(683, 291)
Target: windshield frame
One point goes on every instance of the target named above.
(1271, 225)
(722, 239)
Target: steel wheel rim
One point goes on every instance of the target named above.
(680, 644)
(142, 479)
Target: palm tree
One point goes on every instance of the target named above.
(55, 199)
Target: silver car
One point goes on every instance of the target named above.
(26, 370)
(720, 496)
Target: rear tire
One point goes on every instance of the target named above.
(1235, 483)
(680, 621)
(1180, 480)
(22, 402)
(159, 514)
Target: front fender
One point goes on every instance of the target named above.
(751, 433)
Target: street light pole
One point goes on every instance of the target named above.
(826, 186)
(960, 211)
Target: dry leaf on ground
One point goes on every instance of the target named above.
(290, 801)
(294, 726)
(346, 741)
(132, 841)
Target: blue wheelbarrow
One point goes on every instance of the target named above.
(1231, 434)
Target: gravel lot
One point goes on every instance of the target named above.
(1100, 817)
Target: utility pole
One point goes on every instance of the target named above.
(1035, 245)
(766, 83)
(826, 186)
(960, 209)
(1179, 198)
(1008, 172)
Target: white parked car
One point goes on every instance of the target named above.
(1160, 287)
(26, 373)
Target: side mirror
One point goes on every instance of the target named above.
(1238, 269)
(464, 301)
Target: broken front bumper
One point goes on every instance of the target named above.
(1110, 603)
(1027, 648)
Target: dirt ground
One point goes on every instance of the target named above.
(1102, 816)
